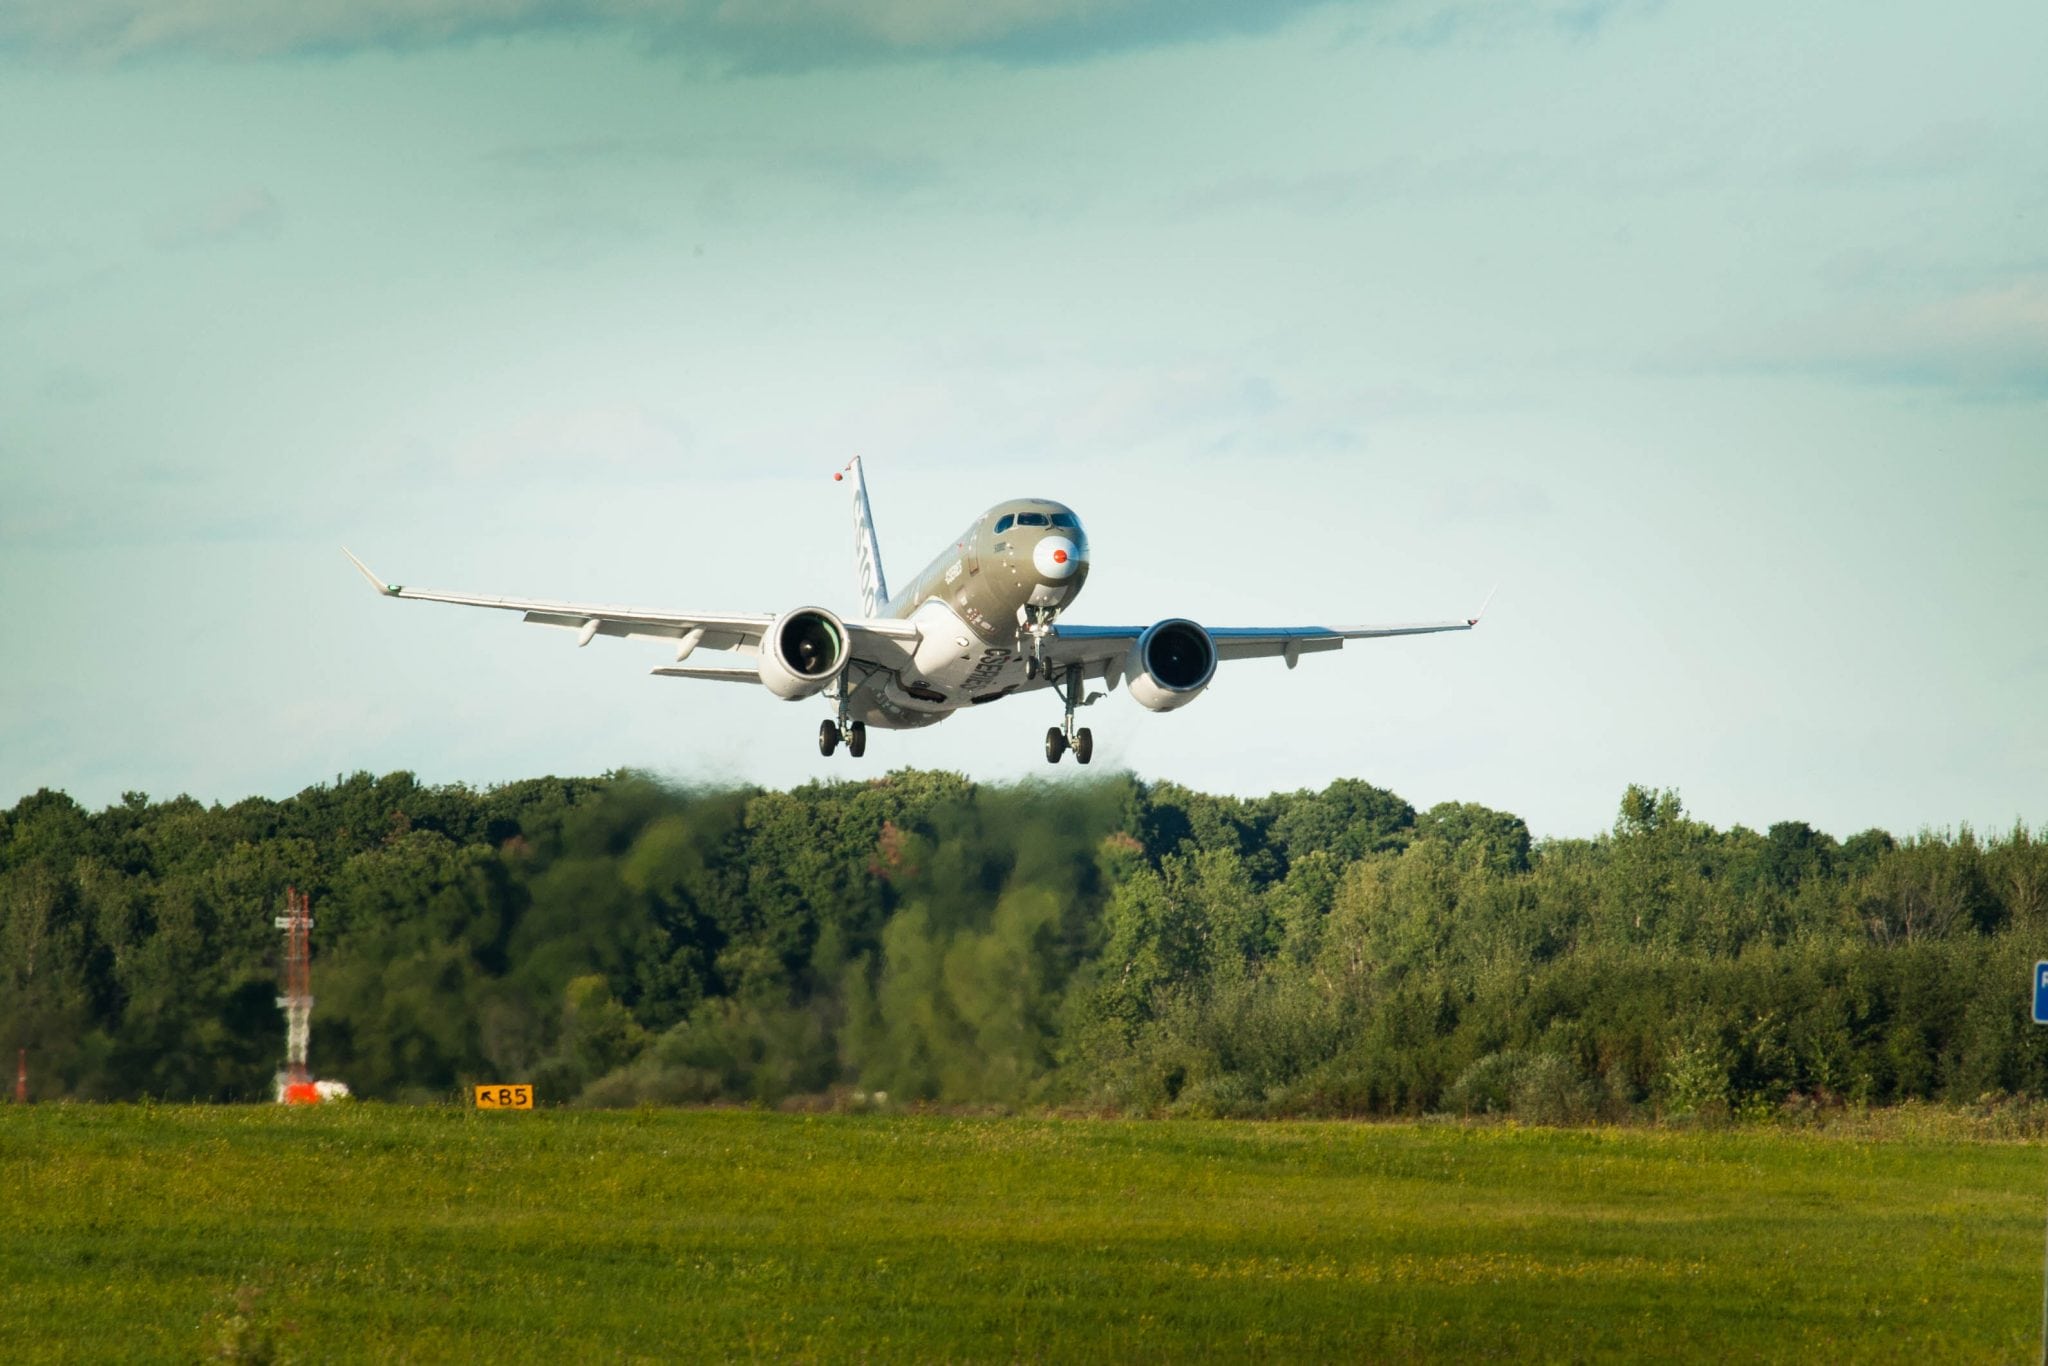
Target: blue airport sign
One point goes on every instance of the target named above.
(2041, 993)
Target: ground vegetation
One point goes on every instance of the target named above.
(384, 1232)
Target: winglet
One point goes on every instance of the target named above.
(389, 590)
(1473, 620)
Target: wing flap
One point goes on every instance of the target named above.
(1265, 647)
(707, 671)
(629, 628)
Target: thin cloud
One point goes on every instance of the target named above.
(53, 296)
(249, 212)
(616, 441)
(864, 171)
(1502, 23)
(1986, 343)
(1494, 499)
(1990, 342)
(1160, 404)
(1622, 166)
(767, 35)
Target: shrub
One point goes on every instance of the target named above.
(1695, 1081)
(1486, 1087)
(1549, 1090)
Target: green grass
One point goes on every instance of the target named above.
(365, 1231)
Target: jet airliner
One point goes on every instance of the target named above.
(985, 620)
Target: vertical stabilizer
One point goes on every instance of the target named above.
(867, 553)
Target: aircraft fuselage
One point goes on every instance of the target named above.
(1019, 560)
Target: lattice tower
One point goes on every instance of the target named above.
(297, 1000)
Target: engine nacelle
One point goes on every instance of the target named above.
(1170, 664)
(803, 651)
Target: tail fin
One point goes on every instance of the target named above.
(867, 553)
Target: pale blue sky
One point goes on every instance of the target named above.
(1716, 334)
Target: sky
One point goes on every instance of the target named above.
(1714, 335)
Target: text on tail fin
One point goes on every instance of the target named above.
(867, 552)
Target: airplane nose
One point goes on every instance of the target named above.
(1056, 557)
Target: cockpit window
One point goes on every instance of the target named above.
(1065, 519)
(1031, 519)
(1004, 523)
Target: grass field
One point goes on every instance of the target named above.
(365, 1231)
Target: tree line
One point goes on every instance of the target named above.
(1107, 943)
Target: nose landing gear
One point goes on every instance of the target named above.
(1034, 628)
(1061, 738)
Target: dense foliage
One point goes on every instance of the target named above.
(1100, 943)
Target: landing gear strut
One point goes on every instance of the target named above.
(1061, 738)
(1034, 629)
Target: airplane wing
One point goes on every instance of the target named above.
(885, 643)
(1102, 649)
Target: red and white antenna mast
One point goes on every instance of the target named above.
(295, 1083)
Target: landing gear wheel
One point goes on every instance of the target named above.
(1084, 745)
(1030, 669)
(828, 738)
(857, 739)
(1055, 745)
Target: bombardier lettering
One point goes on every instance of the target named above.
(866, 564)
(992, 662)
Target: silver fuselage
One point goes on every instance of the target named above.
(972, 603)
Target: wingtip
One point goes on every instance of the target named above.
(389, 590)
(1473, 620)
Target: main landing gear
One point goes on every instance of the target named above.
(1061, 738)
(1056, 744)
(855, 734)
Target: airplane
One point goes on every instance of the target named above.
(984, 621)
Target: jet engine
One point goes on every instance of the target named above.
(803, 650)
(1170, 664)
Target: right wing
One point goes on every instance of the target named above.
(884, 644)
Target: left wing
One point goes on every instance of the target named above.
(1101, 649)
(885, 642)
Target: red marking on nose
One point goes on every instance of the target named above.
(1059, 557)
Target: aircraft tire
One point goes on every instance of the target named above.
(857, 739)
(1084, 745)
(1055, 745)
(828, 738)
